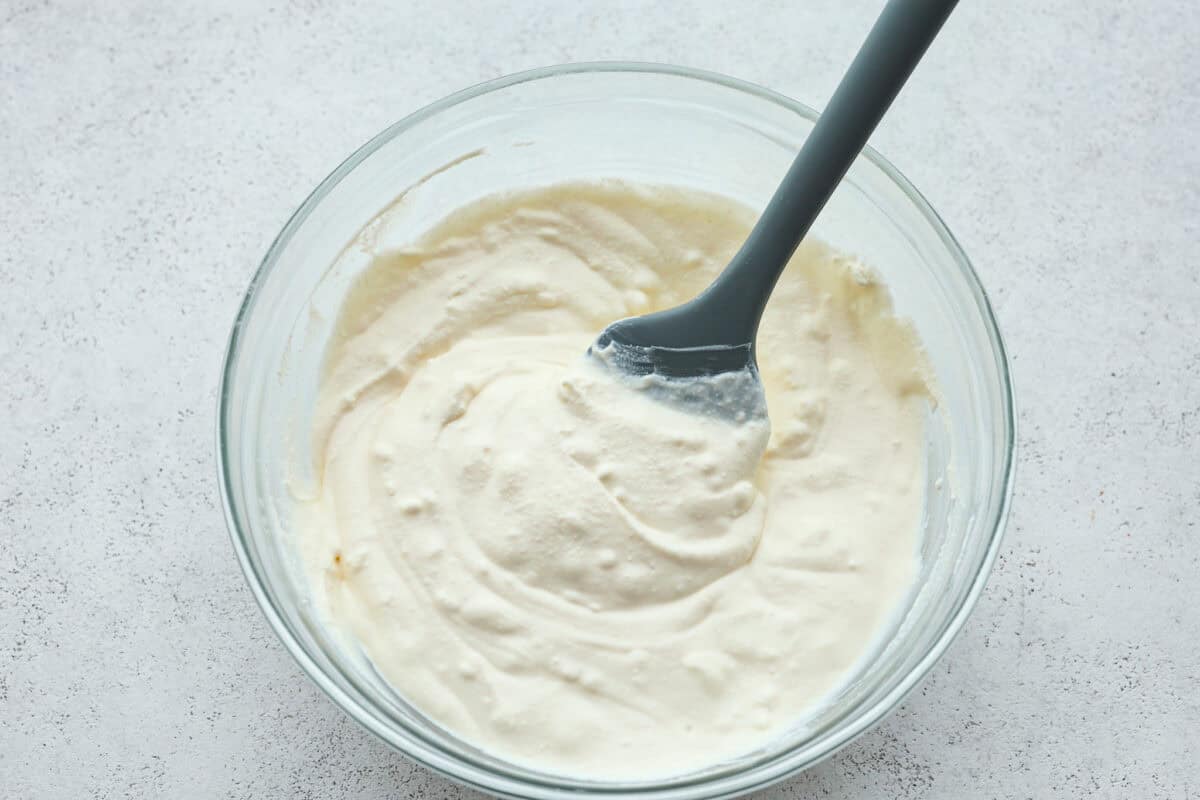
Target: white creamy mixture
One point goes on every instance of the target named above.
(570, 574)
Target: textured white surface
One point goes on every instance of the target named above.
(150, 151)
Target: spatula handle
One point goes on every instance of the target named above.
(886, 59)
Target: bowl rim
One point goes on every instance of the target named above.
(453, 766)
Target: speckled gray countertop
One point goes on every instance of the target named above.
(150, 151)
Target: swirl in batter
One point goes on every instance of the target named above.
(574, 576)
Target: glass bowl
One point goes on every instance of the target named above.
(654, 124)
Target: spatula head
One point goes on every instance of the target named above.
(719, 380)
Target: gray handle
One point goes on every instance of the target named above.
(899, 38)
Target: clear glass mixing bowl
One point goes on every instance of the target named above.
(655, 124)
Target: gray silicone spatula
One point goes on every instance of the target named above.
(712, 336)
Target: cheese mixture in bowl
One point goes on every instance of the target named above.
(572, 575)
(545, 584)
